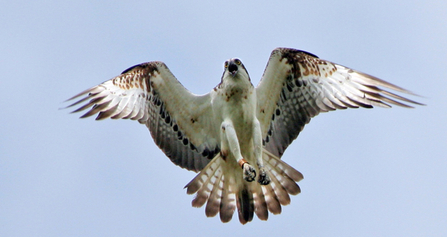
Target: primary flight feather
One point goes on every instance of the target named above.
(236, 134)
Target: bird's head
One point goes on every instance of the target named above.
(235, 69)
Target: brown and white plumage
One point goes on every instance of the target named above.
(237, 125)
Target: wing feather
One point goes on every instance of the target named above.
(302, 86)
(180, 122)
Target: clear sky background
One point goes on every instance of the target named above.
(379, 172)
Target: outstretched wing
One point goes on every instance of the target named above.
(297, 86)
(180, 122)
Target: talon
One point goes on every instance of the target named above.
(263, 179)
(249, 172)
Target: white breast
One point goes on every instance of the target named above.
(235, 100)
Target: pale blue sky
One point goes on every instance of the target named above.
(379, 172)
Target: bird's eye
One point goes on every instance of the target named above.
(226, 64)
(238, 62)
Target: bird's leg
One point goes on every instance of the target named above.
(263, 179)
(228, 134)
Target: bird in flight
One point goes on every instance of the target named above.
(236, 134)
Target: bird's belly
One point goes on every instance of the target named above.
(242, 115)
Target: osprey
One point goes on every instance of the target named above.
(236, 134)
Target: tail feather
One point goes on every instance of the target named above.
(203, 184)
(260, 203)
(284, 173)
(282, 167)
(245, 205)
(283, 181)
(207, 172)
(214, 200)
(271, 199)
(222, 188)
(280, 191)
(228, 203)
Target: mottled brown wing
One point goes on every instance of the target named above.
(180, 122)
(297, 86)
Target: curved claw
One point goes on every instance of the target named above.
(264, 178)
(249, 172)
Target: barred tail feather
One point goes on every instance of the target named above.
(204, 183)
(283, 182)
(215, 189)
(281, 193)
(214, 200)
(271, 199)
(228, 204)
(260, 203)
(281, 167)
(223, 190)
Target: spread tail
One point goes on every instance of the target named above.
(222, 188)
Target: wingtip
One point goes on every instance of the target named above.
(79, 94)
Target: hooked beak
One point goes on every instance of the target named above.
(232, 68)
